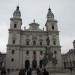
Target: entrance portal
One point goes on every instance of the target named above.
(27, 64)
(41, 63)
(34, 64)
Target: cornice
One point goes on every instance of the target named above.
(33, 46)
(39, 32)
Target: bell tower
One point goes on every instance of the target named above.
(13, 46)
(16, 21)
(15, 26)
(54, 47)
(51, 23)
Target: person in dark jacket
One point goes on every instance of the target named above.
(22, 72)
(3, 71)
(45, 72)
(39, 72)
(29, 72)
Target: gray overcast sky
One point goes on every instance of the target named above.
(64, 11)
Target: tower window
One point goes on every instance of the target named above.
(34, 52)
(34, 42)
(15, 25)
(13, 51)
(52, 27)
(12, 59)
(13, 41)
(41, 43)
(54, 42)
(55, 52)
(27, 52)
(27, 42)
(41, 52)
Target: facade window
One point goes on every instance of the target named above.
(41, 63)
(54, 42)
(41, 52)
(12, 60)
(34, 52)
(34, 42)
(13, 41)
(52, 27)
(27, 52)
(64, 65)
(55, 52)
(13, 51)
(74, 63)
(41, 43)
(15, 25)
(27, 42)
(34, 64)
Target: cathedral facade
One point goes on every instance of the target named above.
(26, 48)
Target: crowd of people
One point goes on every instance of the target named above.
(29, 72)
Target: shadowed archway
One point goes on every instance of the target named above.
(40, 63)
(27, 64)
(34, 64)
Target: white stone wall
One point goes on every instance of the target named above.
(20, 46)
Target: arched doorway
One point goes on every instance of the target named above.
(27, 64)
(40, 63)
(34, 64)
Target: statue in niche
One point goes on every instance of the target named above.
(48, 41)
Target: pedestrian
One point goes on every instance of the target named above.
(8, 71)
(39, 72)
(45, 72)
(29, 72)
(22, 72)
(3, 71)
(71, 69)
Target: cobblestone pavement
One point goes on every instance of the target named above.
(59, 74)
(63, 74)
(49, 74)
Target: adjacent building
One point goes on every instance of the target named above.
(2, 60)
(69, 58)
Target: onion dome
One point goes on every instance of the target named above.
(50, 14)
(17, 12)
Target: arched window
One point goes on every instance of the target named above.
(13, 51)
(34, 42)
(41, 52)
(13, 41)
(52, 27)
(54, 42)
(12, 59)
(64, 65)
(55, 52)
(34, 64)
(40, 63)
(34, 52)
(27, 64)
(40, 43)
(27, 52)
(15, 25)
(27, 42)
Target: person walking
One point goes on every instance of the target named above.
(45, 72)
(39, 72)
(3, 71)
(22, 72)
(29, 72)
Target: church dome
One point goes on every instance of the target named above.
(50, 14)
(17, 12)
